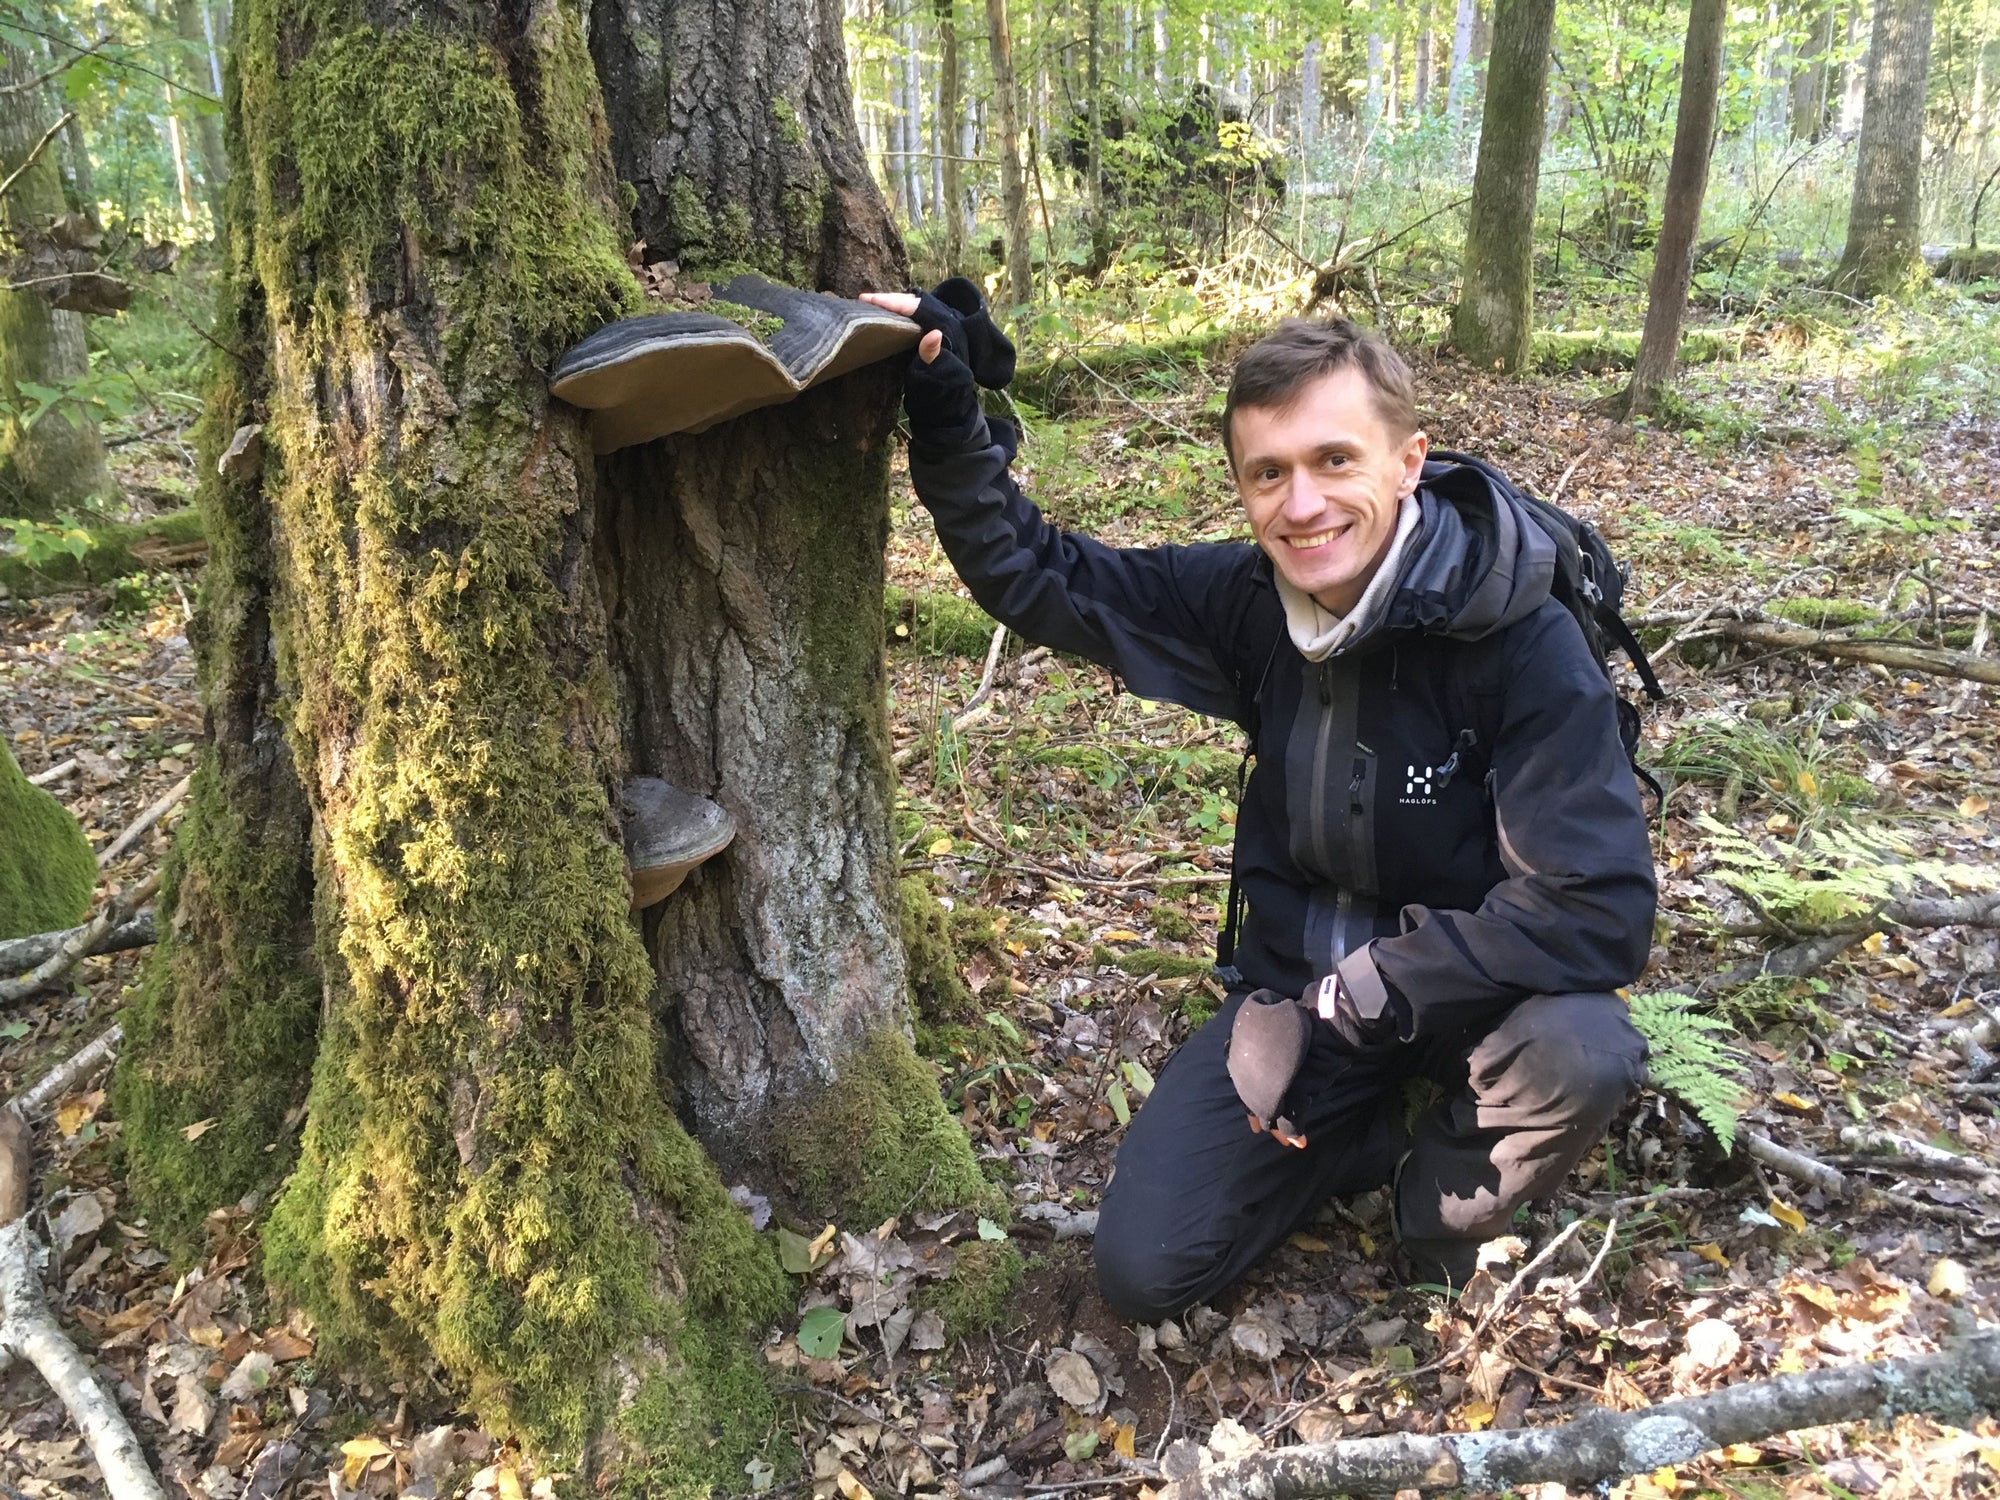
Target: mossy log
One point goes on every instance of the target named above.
(476, 632)
(1553, 351)
(116, 550)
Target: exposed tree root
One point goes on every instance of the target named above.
(1955, 1386)
(28, 1329)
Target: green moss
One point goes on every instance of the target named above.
(762, 324)
(984, 1274)
(1823, 614)
(47, 872)
(791, 130)
(1555, 351)
(937, 624)
(1154, 961)
(937, 990)
(1173, 924)
(879, 1142)
(695, 1420)
(115, 550)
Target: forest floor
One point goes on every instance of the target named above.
(1081, 837)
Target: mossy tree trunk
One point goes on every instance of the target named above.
(1882, 254)
(478, 631)
(1495, 312)
(58, 461)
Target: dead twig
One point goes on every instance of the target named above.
(1793, 1164)
(115, 913)
(18, 955)
(144, 821)
(1958, 1385)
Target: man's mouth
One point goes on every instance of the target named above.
(1317, 539)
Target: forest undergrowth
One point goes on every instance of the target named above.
(1823, 492)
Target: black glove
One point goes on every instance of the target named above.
(955, 309)
(1334, 1004)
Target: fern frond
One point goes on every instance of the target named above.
(1691, 1058)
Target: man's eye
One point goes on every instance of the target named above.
(1267, 475)
(1335, 460)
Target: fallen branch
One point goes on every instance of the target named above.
(1823, 944)
(144, 821)
(114, 914)
(1958, 1386)
(55, 772)
(1793, 1164)
(1936, 660)
(63, 1078)
(28, 1329)
(18, 955)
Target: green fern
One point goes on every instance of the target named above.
(1693, 1060)
(1833, 874)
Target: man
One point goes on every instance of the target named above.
(1441, 846)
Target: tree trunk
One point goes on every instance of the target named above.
(1420, 100)
(1309, 102)
(1459, 90)
(1882, 253)
(1854, 73)
(481, 630)
(913, 116)
(951, 106)
(1680, 221)
(1013, 190)
(57, 462)
(1093, 87)
(1809, 81)
(207, 128)
(1496, 303)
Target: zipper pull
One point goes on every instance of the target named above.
(1441, 778)
(1325, 675)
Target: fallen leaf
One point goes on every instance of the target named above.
(1712, 1253)
(250, 1377)
(1476, 1415)
(851, 1487)
(1974, 806)
(1712, 1344)
(1788, 1216)
(199, 1129)
(820, 1332)
(84, 1216)
(1259, 1332)
(1073, 1378)
(941, 846)
(284, 1346)
(76, 1109)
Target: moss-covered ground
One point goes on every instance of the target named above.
(47, 871)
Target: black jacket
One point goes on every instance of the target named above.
(1441, 810)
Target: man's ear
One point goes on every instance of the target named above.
(1413, 460)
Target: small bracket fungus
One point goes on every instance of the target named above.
(648, 376)
(667, 833)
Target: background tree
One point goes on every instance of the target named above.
(1496, 299)
(1687, 182)
(481, 631)
(1884, 223)
(51, 453)
(1013, 189)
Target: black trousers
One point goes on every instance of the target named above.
(1198, 1197)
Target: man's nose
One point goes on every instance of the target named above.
(1302, 497)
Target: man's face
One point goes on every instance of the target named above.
(1322, 481)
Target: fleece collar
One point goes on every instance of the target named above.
(1318, 632)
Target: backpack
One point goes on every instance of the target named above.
(1589, 583)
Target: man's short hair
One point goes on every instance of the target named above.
(1275, 371)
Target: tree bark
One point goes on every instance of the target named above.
(1459, 89)
(1809, 95)
(58, 462)
(1680, 221)
(207, 127)
(1013, 189)
(951, 107)
(1495, 312)
(1093, 86)
(1884, 219)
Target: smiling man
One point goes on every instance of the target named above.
(1444, 868)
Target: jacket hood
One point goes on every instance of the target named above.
(1477, 564)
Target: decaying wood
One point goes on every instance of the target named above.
(1823, 944)
(145, 820)
(113, 915)
(18, 955)
(29, 1330)
(1794, 1164)
(65, 1075)
(1936, 660)
(1958, 1386)
(54, 773)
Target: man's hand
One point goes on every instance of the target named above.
(904, 304)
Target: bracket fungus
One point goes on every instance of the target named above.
(661, 373)
(667, 833)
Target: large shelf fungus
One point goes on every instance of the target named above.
(667, 833)
(645, 377)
